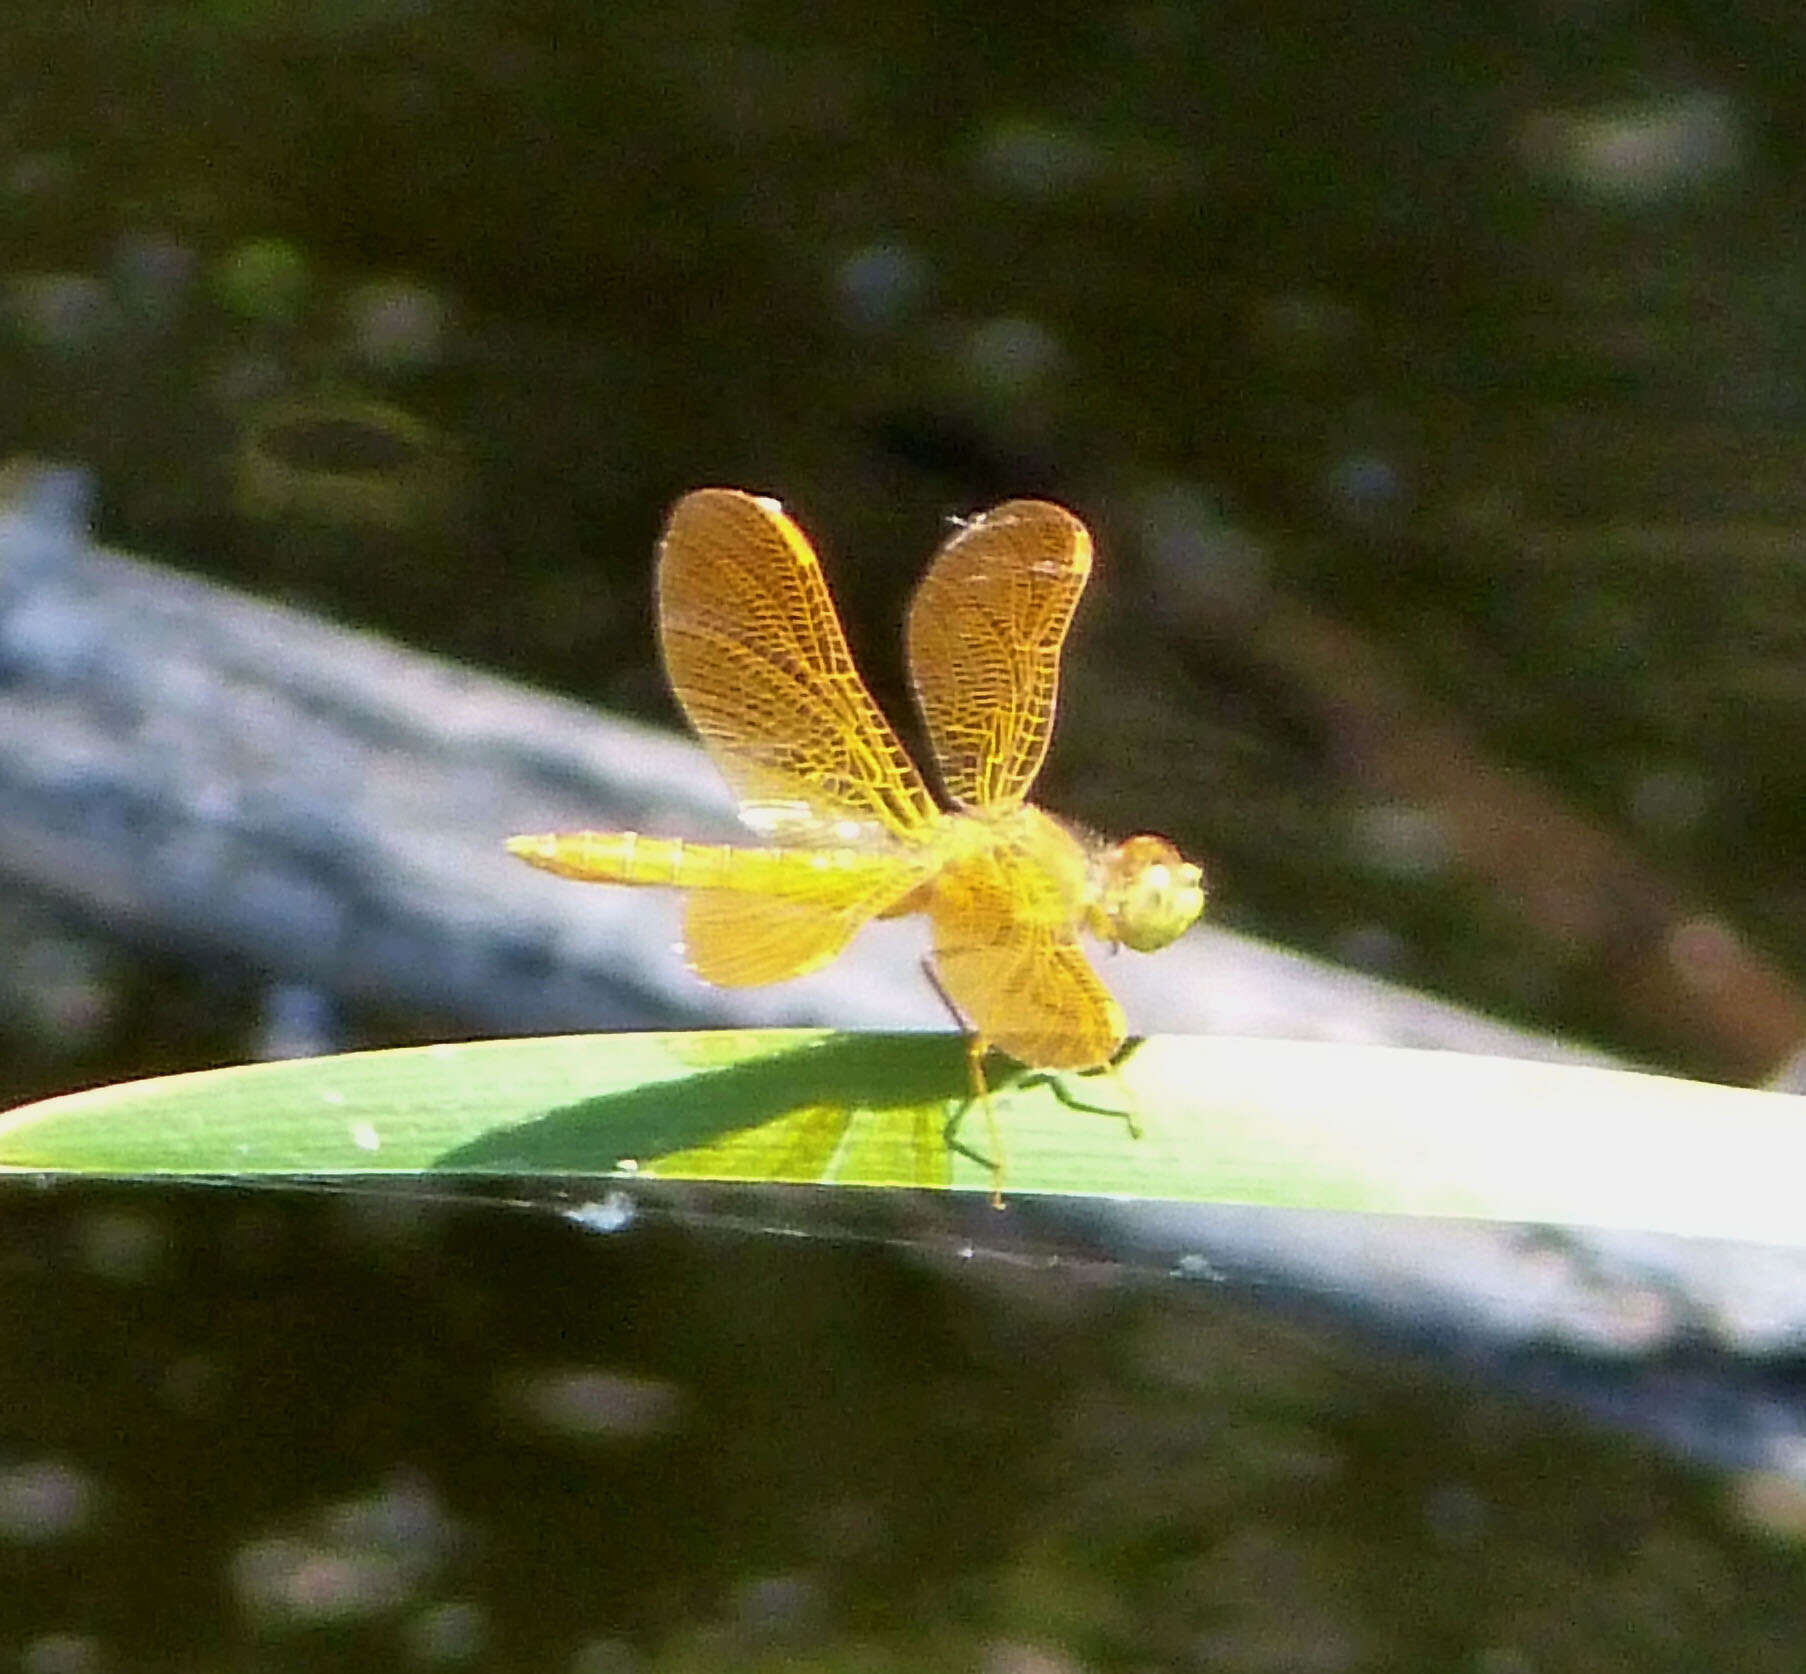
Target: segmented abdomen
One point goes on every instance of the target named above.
(627, 857)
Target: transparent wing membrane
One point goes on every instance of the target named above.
(1024, 982)
(757, 659)
(986, 627)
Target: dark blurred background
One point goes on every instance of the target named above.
(1433, 378)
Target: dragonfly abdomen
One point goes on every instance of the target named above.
(629, 857)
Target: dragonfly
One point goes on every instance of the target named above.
(846, 828)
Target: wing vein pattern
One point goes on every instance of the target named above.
(1021, 978)
(743, 940)
(986, 627)
(756, 656)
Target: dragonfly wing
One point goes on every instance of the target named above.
(740, 940)
(1025, 984)
(758, 660)
(985, 630)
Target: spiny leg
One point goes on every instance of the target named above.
(1055, 1081)
(975, 1062)
(976, 1048)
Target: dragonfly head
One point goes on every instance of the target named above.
(1148, 893)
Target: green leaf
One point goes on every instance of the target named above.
(1301, 1124)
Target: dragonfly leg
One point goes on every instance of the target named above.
(976, 1048)
(1056, 1081)
(979, 1094)
(981, 1090)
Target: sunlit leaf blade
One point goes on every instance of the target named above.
(832, 1144)
(1305, 1125)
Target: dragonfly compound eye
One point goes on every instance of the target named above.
(1152, 894)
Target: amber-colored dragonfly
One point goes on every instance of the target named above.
(849, 831)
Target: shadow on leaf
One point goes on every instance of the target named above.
(867, 1109)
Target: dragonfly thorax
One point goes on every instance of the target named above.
(1047, 865)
